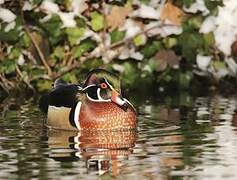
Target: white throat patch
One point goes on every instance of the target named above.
(76, 116)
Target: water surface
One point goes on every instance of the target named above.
(178, 137)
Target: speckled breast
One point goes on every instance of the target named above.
(106, 116)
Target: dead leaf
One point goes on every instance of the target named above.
(166, 58)
(172, 13)
(117, 16)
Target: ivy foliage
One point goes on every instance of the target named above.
(64, 38)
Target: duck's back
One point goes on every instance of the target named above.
(61, 96)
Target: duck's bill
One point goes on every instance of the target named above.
(117, 99)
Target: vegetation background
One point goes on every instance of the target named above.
(181, 44)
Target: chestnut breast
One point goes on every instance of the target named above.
(106, 115)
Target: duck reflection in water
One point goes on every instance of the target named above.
(101, 150)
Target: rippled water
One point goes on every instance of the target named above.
(177, 138)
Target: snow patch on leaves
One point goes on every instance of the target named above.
(199, 5)
(49, 7)
(131, 28)
(78, 6)
(67, 19)
(226, 30)
(203, 61)
(208, 25)
(224, 26)
(146, 12)
(164, 30)
(6, 15)
(27, 6)
(130, 53)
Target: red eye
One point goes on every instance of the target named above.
(103, 85)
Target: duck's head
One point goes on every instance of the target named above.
(103, 86)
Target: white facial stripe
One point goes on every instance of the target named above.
(88, 87)
(98, 94)
(98, 100)
(79, 88)
(111, 87)
(76, 115)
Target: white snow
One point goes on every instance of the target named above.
(146, 12)
(208, 25)
(67, 19)
(223, 26)
(21, 60)
(203, 61)
(162, 30)
(6, 15)
(49, 7)
(10, 26)
(126, 53)
(199, 5)
(131, 28)
(27, 6)
(226, 30)
(232, 65)
(79, 6)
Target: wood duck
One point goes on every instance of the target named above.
(96, 105)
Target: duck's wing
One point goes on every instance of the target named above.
(63, 95)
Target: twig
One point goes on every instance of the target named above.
(5, 84)
(119, 43)
(41, 55)
(24, 80)
(90, 56)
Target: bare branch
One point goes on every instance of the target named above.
(23, 78)
(77, 64)
(41, 55)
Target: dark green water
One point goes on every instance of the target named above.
(178, 138)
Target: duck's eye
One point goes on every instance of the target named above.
(103, 86)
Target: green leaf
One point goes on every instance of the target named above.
(213, 5)
(25, 40)
(70, 77)
(130, 74)
(15, 53)
(219, 65)
(117, 35)
(43, 85)
(84, 46)
(53, 29)
(139, 40)
(97, 21)
(58, 52)
(184, 80)
(151, 48)
(169, 42)
(209, 41)
(190, 43)
(7, 66)
(93, 63)
(11, 36)
(74, 34)
(188, 3)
